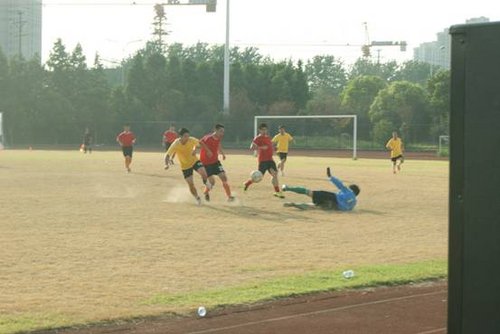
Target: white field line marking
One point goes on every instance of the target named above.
(335, 309)
(439, 330)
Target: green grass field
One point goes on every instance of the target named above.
(82, 241)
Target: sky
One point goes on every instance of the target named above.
(281, 29)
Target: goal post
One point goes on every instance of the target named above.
(353, 117)
(444, 144)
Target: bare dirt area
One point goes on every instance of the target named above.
(83, 241)
(416, 309)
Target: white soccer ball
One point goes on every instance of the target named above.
(256, 176)
(202, 311)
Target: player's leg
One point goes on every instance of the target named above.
(211, 180)
(262, 169)
(281, 165)
(188, 176)
(400, 160)
(275, 182)
(130, 158)
(200, 169)
(298, 190)
(222, 176)
(394, 161)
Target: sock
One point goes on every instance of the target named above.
(277, 189)
(298, 190)
(227, 189)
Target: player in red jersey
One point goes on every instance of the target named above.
(211, 161)
(169, 137)
(264, 146)
(126, 139)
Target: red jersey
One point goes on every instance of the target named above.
(267, 154)
(126, 138)
(213, 144)
(169, 136)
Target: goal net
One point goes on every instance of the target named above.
(316, 132)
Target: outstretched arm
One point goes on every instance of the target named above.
(334, 180)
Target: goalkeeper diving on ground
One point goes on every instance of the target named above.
(343, 200)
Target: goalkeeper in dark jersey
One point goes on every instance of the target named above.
(343, 200)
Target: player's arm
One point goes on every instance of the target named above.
(171, 151)
(205, 147)
(119, 141)
(389, 145)
(334, 180)
(222, 152)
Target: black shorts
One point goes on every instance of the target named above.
(127, 151)
(325, 199)
(399, 157)
(214, 169)
(282, 155)
(189, 172)
(265, 166)
(167, 146)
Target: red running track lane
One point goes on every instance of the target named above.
(412, 309)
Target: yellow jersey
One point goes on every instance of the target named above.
(282, 141)
(396, 146)
(184, 152)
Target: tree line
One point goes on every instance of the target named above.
(53, 103)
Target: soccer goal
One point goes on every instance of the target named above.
(321, 127)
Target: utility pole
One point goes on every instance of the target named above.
(225, 109)
(20, 25)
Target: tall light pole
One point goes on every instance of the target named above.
(225, 109)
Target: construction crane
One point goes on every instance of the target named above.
(366, 48)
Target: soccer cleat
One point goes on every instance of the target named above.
(207, 197)
(245, 187)
(198, 200)
(279, 195)
(284, 187)
(231, 199)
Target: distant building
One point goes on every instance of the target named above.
(438, 53)
(21, 28)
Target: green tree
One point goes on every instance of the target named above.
(438, 88)
(326, 73)
(414, 71)
(357, 98)
(404, 105)
(365, 66)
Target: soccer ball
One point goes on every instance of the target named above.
(256, 176)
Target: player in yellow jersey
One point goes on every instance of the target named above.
(395, 145)
(185, 149)
(282, 141)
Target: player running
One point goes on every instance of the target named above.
(395, 145)
(212, 163)
(344, 200)
(282, 141)
(264, 146)
(87, 141)
(126, 139)
(169, 137)
(185, 148)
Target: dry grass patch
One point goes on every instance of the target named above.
(85, 241)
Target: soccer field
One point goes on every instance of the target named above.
(83, 241)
